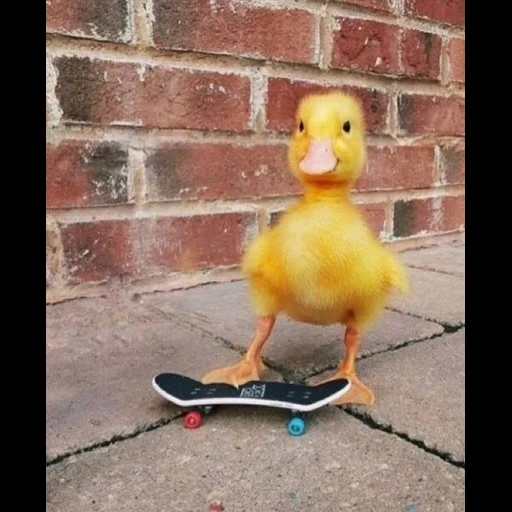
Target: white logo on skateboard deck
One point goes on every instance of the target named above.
(255, 391)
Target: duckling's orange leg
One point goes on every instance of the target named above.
(250, 366)
(358, 392)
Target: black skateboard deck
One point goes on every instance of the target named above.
(186, 392)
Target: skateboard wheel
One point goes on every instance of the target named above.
(296, 426)
(192, 419)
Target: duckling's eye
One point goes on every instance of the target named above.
(301, 127)
(346, 126)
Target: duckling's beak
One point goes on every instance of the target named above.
(319, 159)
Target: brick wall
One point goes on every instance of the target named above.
(167, 125)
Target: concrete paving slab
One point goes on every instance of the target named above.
(445, 258)
(224, 310)
(434, 296)
(247, 461)
(100, 358)
(420, 391)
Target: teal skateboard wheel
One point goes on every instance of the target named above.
(296, 426)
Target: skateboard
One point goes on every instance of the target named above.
(200, 398)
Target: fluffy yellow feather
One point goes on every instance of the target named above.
(321, 263)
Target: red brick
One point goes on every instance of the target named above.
(412, 217)
(421, 54)
(96, 19)
(133, 249)
(97, 92)
(188, 171)
(284, 96)
(80, 173)
(453, 163)
(366, 46)
(375, 215)
(198, 242)
(235, 28)
(457, 56)
(445, 11)
(431, 114)
(453, 213)
(377, 5)
(104, 92)
(98, 251)
(398, 167)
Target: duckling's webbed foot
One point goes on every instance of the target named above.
(250, 367)
(358, 393)
(237, 374)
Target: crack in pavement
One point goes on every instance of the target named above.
(189, 324)
(300, 375)
(444, 272)
(289, 375)
(446, 325)
(297, 376)
(50, 461)
(240, 349)
(370, 422)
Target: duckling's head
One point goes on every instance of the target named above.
(327, 145)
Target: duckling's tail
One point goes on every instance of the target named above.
(397, 276)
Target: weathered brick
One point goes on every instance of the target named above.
(80, 173)
(198, 242)
(457, 56)
(229, 27)
(187, 171)
(134, 249)
(104, 92)
(453, 213)
(284, 96)
(431, 114)
(98, 251)
(398, 167)
(421, 54)
(98, 92)
(366, 46)
(453, 163)
(375, 215)
(444, 11)
(377, 5)
(96, 19)
(412, 217)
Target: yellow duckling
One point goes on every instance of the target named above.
(321, 263)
